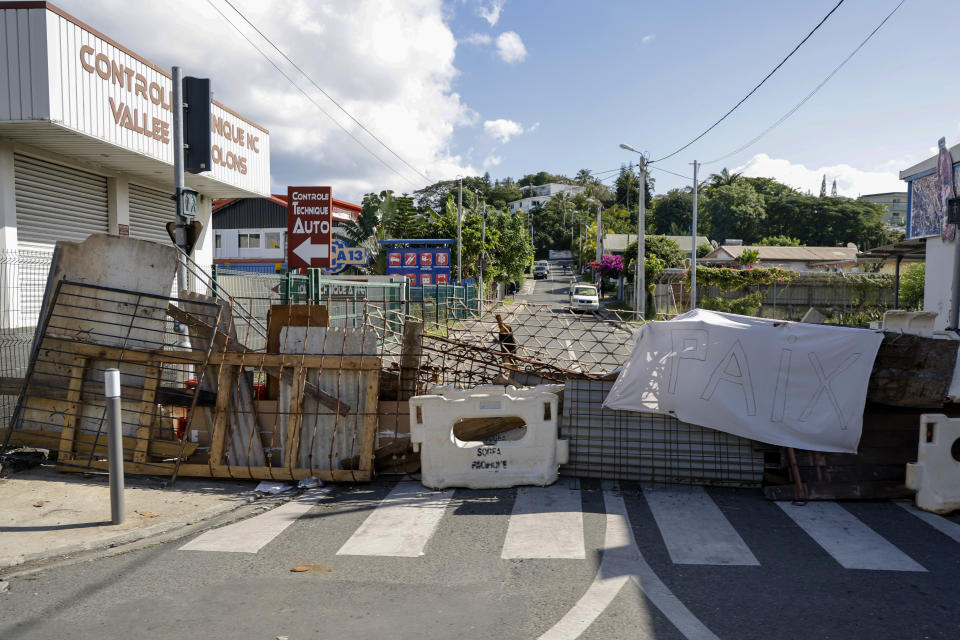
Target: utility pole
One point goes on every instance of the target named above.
(693, 255)
(641, 290)
(599, 251)
(459, 234)
(483, 250)
(630, 179)
(178, 180)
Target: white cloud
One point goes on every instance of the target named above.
(391, 64)
(492, 13)
(510, 47)
(502, 129)
(851, 181)
(647, 39)
(477, 39)
(491, 161)
(533, 127)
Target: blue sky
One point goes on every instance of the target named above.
(655, 74)
(519, 86)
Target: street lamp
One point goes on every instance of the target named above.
(640, 298)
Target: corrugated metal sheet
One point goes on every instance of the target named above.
(150, 211)
(808, 254)
(251, 213)
(646, 447)
(55, 202)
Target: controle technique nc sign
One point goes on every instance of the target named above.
(309, 227)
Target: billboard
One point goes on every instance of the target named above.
(309, 227)
(421, 266)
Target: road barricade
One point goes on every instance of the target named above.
(530, 455)
(935, 476)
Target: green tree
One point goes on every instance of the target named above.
(662, 250)
(357, 232)
(703, 249)
(511, 251)
(823, 186)
(673, 213)
(748, 257)
(911, 286)
(779, 241)
(736, 211)
(722, 179)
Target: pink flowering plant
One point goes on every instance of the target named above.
(611, 266)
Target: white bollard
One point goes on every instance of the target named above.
(111, 380)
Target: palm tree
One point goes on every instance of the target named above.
(723, 179)
(561, 200)
(356, 232)
(584, 177)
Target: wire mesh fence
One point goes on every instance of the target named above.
(23, 278)
(649, 447)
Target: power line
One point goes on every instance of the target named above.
(754, 90)
(320, 89)
(308, 97)
(809, 95)
(673, 173)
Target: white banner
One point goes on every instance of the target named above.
(785, 383)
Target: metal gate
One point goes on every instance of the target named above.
(55, 202)
(150, 211)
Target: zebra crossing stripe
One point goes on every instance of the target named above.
(252, 534)
(401, 525)
(621, 563)
(851, 542)
(547, 522)
(694, 529)
(946, 527)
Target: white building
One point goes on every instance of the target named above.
(541, 194)
(86, 138)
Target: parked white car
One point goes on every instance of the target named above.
(541, 269)
(584, 297)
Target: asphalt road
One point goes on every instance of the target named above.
(547, 330)
(462, 586)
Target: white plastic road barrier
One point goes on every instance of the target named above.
(918, 323)
(447, 461)
(935, 476)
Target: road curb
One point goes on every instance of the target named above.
(136, 535)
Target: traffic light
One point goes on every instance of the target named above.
(196, 124)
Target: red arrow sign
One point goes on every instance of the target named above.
(309, 226)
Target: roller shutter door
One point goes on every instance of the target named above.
(150, 211)
(55, 202)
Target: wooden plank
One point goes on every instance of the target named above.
(236, 473)
(411, 351)
(221, 417)
(251, 359)
(369, 434)
(287, 315)
(912, 371)
(295, 421)
(230, 344)
(10, 386)
(145, 419)
(71, 419)
(84, 443)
